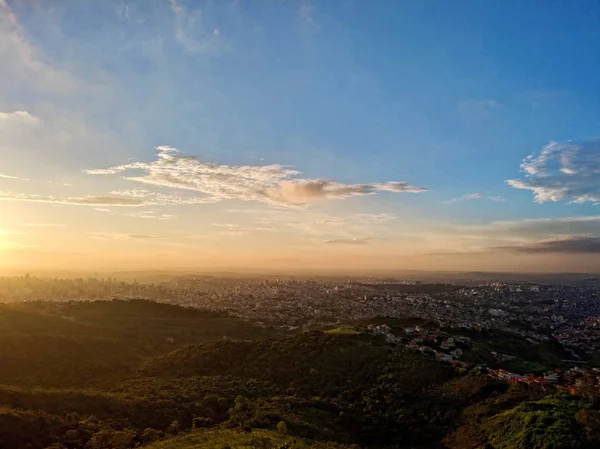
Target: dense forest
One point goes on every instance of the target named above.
(124, 374)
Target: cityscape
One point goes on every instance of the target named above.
(569, 315)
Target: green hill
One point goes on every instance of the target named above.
(83, 344)
(125, 374)
(231, 439)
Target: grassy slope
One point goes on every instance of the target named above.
(224, 438)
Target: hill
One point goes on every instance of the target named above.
(98, 343)
(125, 374)
(256, 439)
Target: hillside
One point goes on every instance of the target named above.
(125, 374)
(98, 343)
(256, 439)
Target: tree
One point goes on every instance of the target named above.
(588, 387)
(174, 428)
(282, 427)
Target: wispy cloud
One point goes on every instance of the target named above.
(120, 236)
(163, 199)
(17, 178)
(315, 224)
(563, 171)
(45, 225)
(538, 228)
(77, 201)
(192, 34)
(123, 10)
(351, 241)
(233, 232)
(476, 112)
(568, 245)
(273, 184)
(515, 234)
(22, 62)
(147, 214)
(475, 196)
(307, 15)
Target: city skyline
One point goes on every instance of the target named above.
(299, 135)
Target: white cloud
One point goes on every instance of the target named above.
(563, 171)
(273, 184)
(475, 196)
(192, 34)
(18, 117)
(155, 198)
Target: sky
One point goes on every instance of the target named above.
(313, 135)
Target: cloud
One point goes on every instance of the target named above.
(477, 111)
(316, 224)
(563, 171)
(233, 232)
(191, 32)
(22, 63)
(23, 117)
(510, 234)
(45, 225)
(10, 232)
(236, 229)
(155, 198)
(273, 184)
(78, 201)
(227, 225)
(399, 186)
(142, 236)
(568, 245)
(353, 219)
(352, 241)
(538, 228)
(148, 214)
(122, 11)
(120, 236)
(307, 14)
(475, 196)
(17, 178)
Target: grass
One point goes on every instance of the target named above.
(233, 439)
(549, 423)
(342, 331)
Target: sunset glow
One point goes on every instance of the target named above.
(282, 136)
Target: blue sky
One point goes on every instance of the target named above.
(447, 97)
